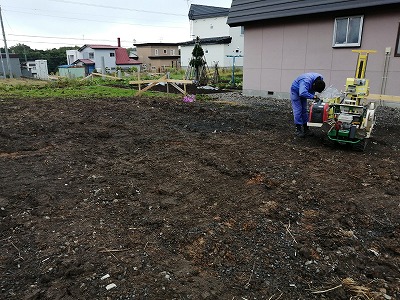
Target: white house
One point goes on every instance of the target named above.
(219, 41)
(99, 57)
(38, 68)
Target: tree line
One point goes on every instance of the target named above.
(55, 57)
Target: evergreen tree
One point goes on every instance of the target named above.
(198, 63)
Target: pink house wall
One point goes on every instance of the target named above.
(278, 53)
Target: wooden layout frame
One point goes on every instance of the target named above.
(163, 79)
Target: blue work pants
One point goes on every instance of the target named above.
(300, 109)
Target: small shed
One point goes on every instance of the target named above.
(42, 71)
(88, 64)
(71, 71)
(15, 65)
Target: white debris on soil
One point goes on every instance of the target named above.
(105, 276)
(111, 286)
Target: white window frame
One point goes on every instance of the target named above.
(397, 49)
(155, 51)
(346, 44)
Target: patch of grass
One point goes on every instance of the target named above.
(72, 88)
(77, 88)
(21, 82)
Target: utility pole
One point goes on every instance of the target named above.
(26, 60)
(2, 64)
(5, 46)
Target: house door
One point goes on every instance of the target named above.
(90, 69)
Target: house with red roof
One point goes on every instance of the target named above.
(102, 57)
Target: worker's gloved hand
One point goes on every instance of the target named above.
(317, 99)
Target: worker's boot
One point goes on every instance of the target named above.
(307, 131)
(299, 131)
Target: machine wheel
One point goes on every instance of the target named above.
(361, 145)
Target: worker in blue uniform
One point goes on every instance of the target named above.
(303, 88)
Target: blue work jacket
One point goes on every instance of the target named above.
(302, 85)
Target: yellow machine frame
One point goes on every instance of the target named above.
(350, 118)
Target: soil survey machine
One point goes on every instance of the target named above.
(348, 117)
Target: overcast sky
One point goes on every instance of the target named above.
(47, 24)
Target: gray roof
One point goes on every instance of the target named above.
(245, 11)
(209, 41)
(155, 44)
(203, 11)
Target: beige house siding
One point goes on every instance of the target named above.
(158, 57)
(278, 52)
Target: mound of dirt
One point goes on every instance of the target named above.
(190, 89)
(159, 199)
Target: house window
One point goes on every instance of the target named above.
(348, 31)
(91, 55)
(112, 54)
(156, 51)
(165, 51)
(397, 49)
(71, 59)
(172, 51)
(241, 29)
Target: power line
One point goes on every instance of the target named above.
(51, 43)
(98, 21)
(120, 8)
(69, 43)
(62, 38)
(30, 11)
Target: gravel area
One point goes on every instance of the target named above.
(251, 100)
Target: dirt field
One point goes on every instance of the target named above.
(159, 199)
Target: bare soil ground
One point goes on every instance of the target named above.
(159, 199)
